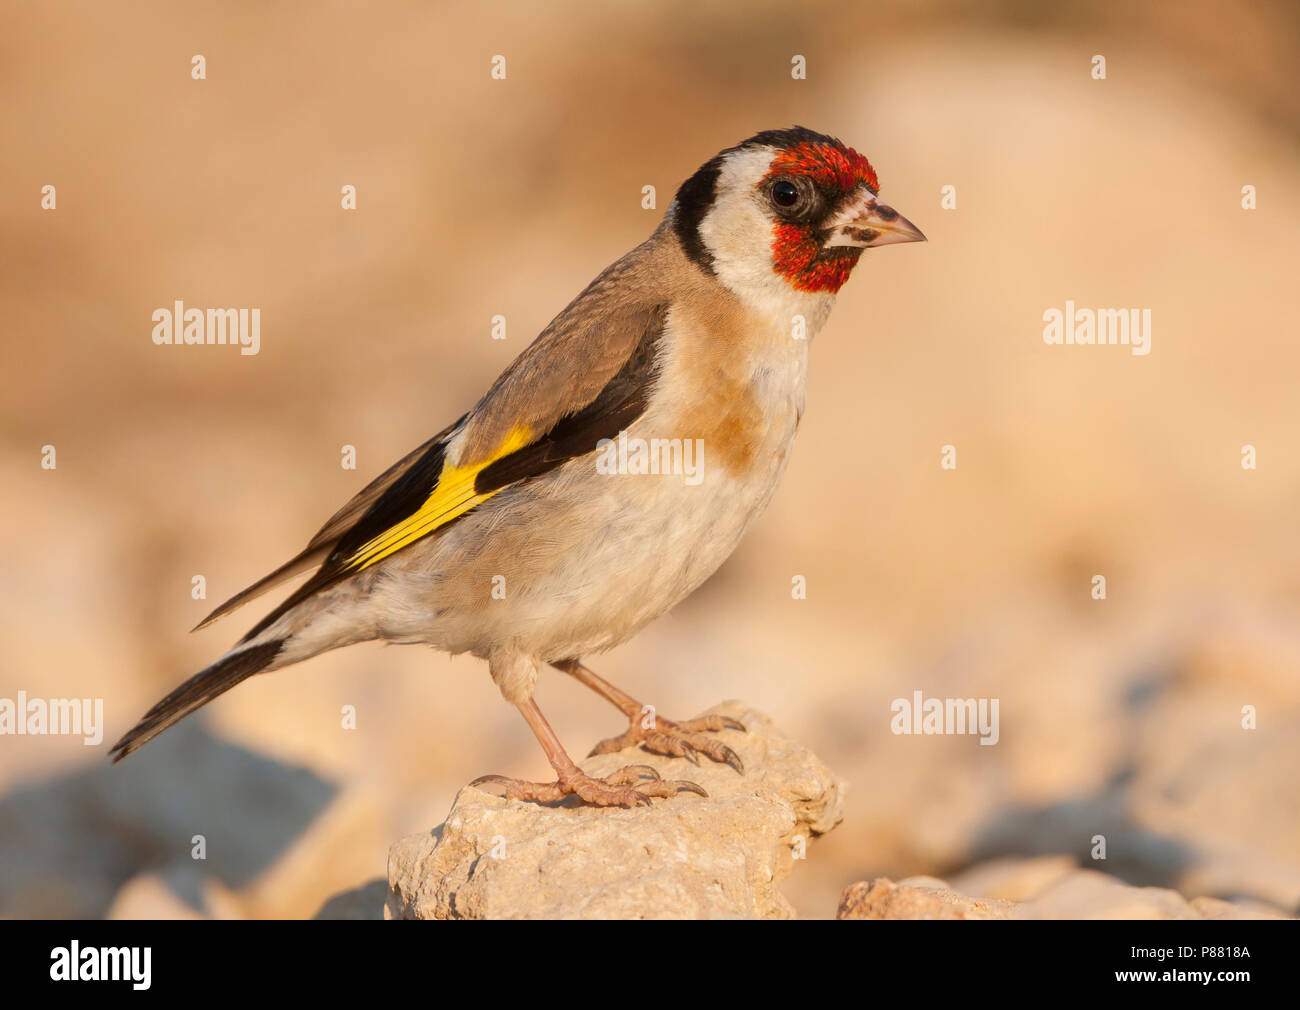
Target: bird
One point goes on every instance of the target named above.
(517, 534)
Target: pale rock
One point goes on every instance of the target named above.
(1052, 888)
(1013, 879)
(343, 844)
(149, 896)
(1243, 908)
(687, 857)
(1090, 894)
(915, 898)
(364, 902)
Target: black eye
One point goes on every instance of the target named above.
(785, 193)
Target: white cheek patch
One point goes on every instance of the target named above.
(738, 233)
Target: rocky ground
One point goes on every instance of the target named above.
(1049, 887)
(735, 854)
(719, 857)
(690, 857)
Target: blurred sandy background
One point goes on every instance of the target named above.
(478, 197)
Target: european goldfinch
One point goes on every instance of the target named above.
(513, 535)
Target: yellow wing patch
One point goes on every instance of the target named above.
(453, 496)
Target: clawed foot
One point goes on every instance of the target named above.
(678, 739)
(632, 786)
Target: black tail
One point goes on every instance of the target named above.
(196, 692)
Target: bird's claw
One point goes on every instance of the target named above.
(679, 739)
(632, 786)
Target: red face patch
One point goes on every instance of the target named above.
(825, 164)
(797, 255)
(799, 258)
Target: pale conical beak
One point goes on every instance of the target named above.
(865, 222)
